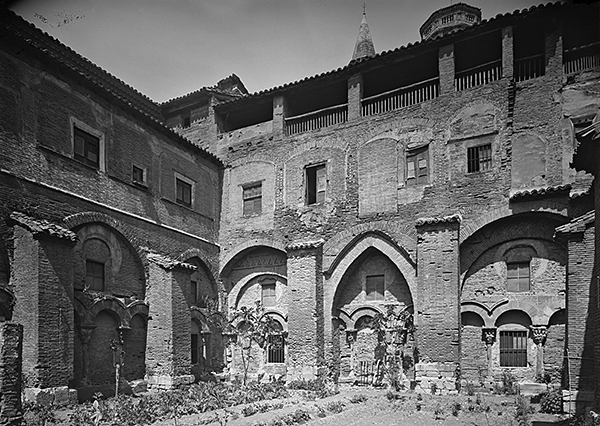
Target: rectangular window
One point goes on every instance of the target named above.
(513, 349)
(316, 184)
(417, 167)
(268, 294)
(94, 275)
(479, 158)
(184, 192)
(375, 287)
(517, 276)
(195, 340)
(137, 175)
(194, 292)
(276, 350)
(186, 121)
(86, 148)
(252, 196)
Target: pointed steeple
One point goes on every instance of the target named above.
(364, 42)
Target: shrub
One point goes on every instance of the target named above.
(335, 406)
(470, 388)
(551, 402)
(523, 410)
(358, 398)
(250, 410)
(456, 407)
(434, 388)
(509, 383)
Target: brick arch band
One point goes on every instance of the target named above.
(229, 257)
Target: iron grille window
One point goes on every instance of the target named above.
(86, 148)
(479, 158)
(513, 348)
(268, 294)
(517, 276)
(417, 168)
(375, 287)
(195, 340)
(184, 192)
(276, 349)
(252, 196)
(94, 275)
(316, 184)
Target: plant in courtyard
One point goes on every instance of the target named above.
(393, 329)
(551, 402)
(253, 327)
(523, 410)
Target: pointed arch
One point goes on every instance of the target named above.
(232, 255)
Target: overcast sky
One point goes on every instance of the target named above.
(167, 48)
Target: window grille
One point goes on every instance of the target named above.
(252, 196)
(276, 349)
(513, 348)
(479, 158)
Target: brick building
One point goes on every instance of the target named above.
(432, 180)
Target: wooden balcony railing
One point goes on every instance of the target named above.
(401, 97)
(316, 119)
(581, 58)
(477, 76)
(529, 67)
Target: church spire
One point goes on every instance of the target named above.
(364, 42)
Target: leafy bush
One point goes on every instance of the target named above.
(335, 406)
(321, 386)
(551, 402)
(523, 410)
(358, 398)
(470, 388)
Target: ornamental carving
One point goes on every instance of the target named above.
(539, 334)
(489, 336)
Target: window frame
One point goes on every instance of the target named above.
(268, 293)
(253, 199)
(372, 296)
(478, 163)
(518, 279)
(513, 357)
(276, 355)
(186, 181)
(312, 188)
(96, 264)
(414, 157)
(87, 132)
(143, 172)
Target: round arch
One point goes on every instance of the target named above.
(114, 306)
(236, 291)
(229, 258)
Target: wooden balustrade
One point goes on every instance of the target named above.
(315, 120)
(581, 58)
(477, 76)
(401, 97)
(529, 67)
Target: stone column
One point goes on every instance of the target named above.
(85, 336)
(42, 278)
(355, 94)
(168, 350)
(489, 337)
(11, 339)
(437, 304)
(305, 317)
(446, 69)
(279, 114)
(507, 52)
(539, 333)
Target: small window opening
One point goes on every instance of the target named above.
(184, 192)
(268, 294)
(316, 184)
(375, 287)
(513, 348)
(94, 275)
(517, 276)
(252, 196)
(137, 175)
(479, 158)
(86, 148)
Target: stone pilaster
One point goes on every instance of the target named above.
(355, 93)
(539, 334)
(489, 337)
(168, 349)
(42, 276)
(279, 114)
(306, 319)
(438, 305)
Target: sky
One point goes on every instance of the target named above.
(167, 48)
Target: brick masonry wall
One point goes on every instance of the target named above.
(474, 362)
(438, 295)
(11, 340)
(580, 331)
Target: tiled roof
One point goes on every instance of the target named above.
(358, 63)
(433, 220)
(547, 190)
(41, 226)
(579, 224)
(50, 48)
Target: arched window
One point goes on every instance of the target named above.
(514, 329)
(276, 347)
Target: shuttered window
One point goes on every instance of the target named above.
(252, 196)
(86, 148)
(417, 167)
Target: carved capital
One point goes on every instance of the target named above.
(85, 334)
(489, 335)
(539, 334)
(351, 335)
